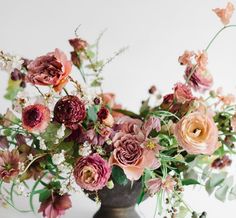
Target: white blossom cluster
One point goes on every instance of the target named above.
(60, 133)
(85, 149)
(10, 62)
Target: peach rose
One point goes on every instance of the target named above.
(197, 134)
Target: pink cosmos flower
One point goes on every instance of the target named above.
(55, 206)
(155, 185)
(130, 156)
(35, 118)
(150, 124)
(225, 14)
(51, 69)
(182, 93)
(92, 172)
(197, 133)
(9, 165)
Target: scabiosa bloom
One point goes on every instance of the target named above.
(182, 93)
(51, 69)
(221, 162)
(69, 110)
(9, 165)
(78, 44)
(92, 172)
(35, 118)
(55, 206)
(105, 117)
(197, 133)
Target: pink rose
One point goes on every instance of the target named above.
(197, 133)
(130, 156)
(35, 118)
(51, 69)
(92, 172)
(182, 93)
(55, 206)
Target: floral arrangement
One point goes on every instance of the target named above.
(71, 136)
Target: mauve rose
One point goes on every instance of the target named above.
(182, 93)
(129, 125)
(130, 156)
(35, 118)
(55, 206)
(9, 165)
(51, 69)
(197, 133)
(69, 110)
(92, 172)
(201, 80)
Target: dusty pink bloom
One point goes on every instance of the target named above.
(70, 110)
(185, 59)
(201, 60)
(129, 125)
(3, 142)
(9, 165)
(197, 133)
(78, 44)
(130, 156)
(151, 124)
(182, 93)
(225, 14)
(55, 206)
(233, 122)
(105, 117)
(92, 172)
(51, 69)
(200, 80)
(155, 185)
(35, 118)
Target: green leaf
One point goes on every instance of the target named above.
(12, 89)
(44, 195)
(217, 178)
(209, 188)
(144, 110)
(92, 113)
(119, 176)
(190, 182)
(232, 193)
(222, 192)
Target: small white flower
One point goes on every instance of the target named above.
(30, 157)
(10, 62)
(88, 95)
(85, 150)
(21, 166)
(58, 158)
(42, 144)
(61, 132)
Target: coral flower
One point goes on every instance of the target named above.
(185, 59)
(182, 93)
(55, 206)
(197, 133)
(225, 14)
(9, 165)
(35, 118)
(51, 69)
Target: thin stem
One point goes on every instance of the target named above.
(39, 91)
(65, 91)
(82, 74)
(180, 199)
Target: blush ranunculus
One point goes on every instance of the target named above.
(92, 172)
(35, 118)
(50, 70)
(55, 206)
(130, 156)
(182, 93)
(197, 133)
(69, 110)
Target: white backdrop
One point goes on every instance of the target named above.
(157, 31)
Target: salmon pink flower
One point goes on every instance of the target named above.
(92, 172)
(55, 206)
(225, 14)
(197, 133)
(52, 69)
(185, 59)
(182, 93)
(35, 118)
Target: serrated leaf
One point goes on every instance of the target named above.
(232, 193)
(119, 176)
(12, 89)
(190, 182)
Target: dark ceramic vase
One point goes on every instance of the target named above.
(118, 202)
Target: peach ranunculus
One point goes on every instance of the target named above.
(52, 69)
(225, 14)
(201, 60)
(185, 59)
(197, 134)
(131, 156)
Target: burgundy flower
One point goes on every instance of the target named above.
(3, 142)
(55, 206)
(69, 110)
(105, 117)
(92, 172)
(9, 165)
(78, 44)
(182, 93)
(75, 59)
(35, 118)
(51, 69)
(220, 163)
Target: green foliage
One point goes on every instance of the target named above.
(190, 182)
(12, 89)
(118, 176)
(92, 113)
(44, 194)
